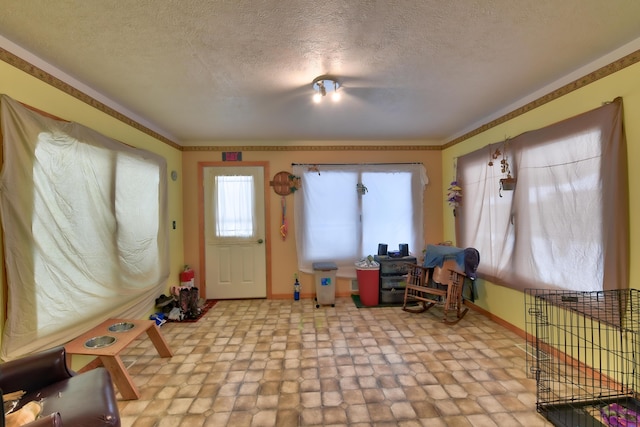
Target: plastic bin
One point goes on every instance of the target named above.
(325, 275)
(368, 275)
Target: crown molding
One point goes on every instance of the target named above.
(607, 70)
(600, 73)
(34, 71)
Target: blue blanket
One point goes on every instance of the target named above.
(466, 259)
(437, 254)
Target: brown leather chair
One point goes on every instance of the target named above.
(67, 398)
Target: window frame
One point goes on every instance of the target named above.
(304, 201)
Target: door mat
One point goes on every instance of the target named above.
(203, 310)
(358, 303)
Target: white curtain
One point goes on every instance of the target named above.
(336, 222)
(566, 223)
(234, 206)
(85, 229)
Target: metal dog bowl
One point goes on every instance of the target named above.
(121, 327)
(100, 342)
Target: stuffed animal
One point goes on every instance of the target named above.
(24, 415)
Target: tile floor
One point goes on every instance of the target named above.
(285, 363)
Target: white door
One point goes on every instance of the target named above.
(234, 229)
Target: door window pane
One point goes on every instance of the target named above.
(234, 206)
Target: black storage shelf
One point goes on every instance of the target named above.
(392, 277)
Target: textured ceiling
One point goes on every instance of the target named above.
(226, 70)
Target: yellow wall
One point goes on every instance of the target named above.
(506, 303)
(283, 253)
(31, 91)
(183, 193)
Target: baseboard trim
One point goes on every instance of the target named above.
(496, 319)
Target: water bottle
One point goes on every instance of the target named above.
(296, 290)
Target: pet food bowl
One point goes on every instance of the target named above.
(100, 342)
(121, 327)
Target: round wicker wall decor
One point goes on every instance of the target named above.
(284, 183)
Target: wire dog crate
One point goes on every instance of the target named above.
(582, 349)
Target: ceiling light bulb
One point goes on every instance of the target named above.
(324, 85)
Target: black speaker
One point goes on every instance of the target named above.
(382, 248)
(404, 249)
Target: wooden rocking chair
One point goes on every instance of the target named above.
(422, 288)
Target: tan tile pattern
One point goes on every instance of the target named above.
(264, 363)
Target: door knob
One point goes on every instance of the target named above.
(260, 241)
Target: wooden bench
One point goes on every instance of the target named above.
(110, 355)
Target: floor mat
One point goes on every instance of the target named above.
(358, 303)
(206, 307)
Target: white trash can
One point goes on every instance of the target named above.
(325, 276)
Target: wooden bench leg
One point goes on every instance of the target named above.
(120, 377)
(159, 342)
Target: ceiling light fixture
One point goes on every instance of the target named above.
(323, 85)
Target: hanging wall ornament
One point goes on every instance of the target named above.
(285, 183)
(507, 183)
(284, 226)
(454, 192)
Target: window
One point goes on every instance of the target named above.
(85, 229)
(234, 206)
(344, 211)
(565, 225)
